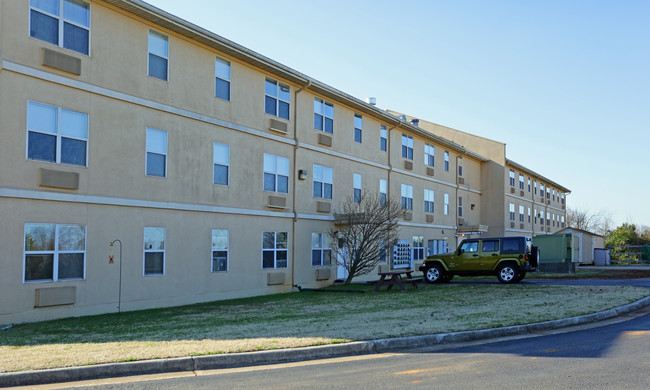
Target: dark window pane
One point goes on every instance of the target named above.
(219, 261)
(281, 259)
(316, 257)
(404, 151)
(41, 147)
(222, 89)
(357, 195)
(75, 38)
(153, 263)
(329, 125)
(157, 67)
(318, 189)
(269, 182)
(269, 105)
(268, 240)
(44, 27)
(357, 135)
(73, 151)
(327, 256)
(220, 174)
(410, 153)
(39, 267)
(283, 110)
(268, 259)
(327, 193)
(318, 122)
(71, 266)
(283, 184)
(155, 164)
(383, 144)
(281, 240)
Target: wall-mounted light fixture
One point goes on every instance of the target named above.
(302, 174)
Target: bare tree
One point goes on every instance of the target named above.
(596, 222)
(363, 229)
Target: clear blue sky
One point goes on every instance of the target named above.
(564, 83)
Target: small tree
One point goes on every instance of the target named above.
(364, 228)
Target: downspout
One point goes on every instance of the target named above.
(389, 260)
(296, 146)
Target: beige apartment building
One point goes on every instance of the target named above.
(146, 162)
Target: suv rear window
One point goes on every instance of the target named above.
(512, 246)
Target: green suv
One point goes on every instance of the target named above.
(509, 258)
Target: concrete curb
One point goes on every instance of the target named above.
(298, 354)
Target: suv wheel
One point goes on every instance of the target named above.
(434, 274)
(507, 273)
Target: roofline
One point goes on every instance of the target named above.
(537, 175)
(180, 26)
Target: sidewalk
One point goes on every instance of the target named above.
(297, 354)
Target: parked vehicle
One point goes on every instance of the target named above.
(508, 258)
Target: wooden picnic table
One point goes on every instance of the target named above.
(394, 277)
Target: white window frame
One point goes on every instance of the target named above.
(383, 191)
(357, 180)
(221, 159)
(512, 178)
(152, 250)
(320, 242)
(358, 128)
(429, 155)
(512, 212)
(276, 96)
(446, 204)
(58, 132)
(226, 78)
(321, 114)
(218, 246)
(276, 250)
(407, 197)
(383, 138)
(429, 201)
(277, 166)
(521, 213)
(165, 56)
(446, 161)
(460, 206)
(56, 251)
(521, 182)
(407, 146)
(417, 252)
(324, 176)
(151, 149)
(61, 24)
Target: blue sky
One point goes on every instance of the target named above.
(564, 83)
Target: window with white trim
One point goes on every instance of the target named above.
(460, 206)
(512, 178)
(437, 247)
(512, 211)
(158, 55)
(521, 181)
(321, 252)
(358, 128)
(521, 213)
(562, 221)
(548, 192)
(276, 173)
(429, 155)
(156, 164)
(535, 186)
(446, 161)
(460, 166)
(446, 204)
(221, 161)
(65, 23)
(383, 191)
(54, 252)
(154, 251)
(418, 248)
(222, 79)
(383, 138)
(56, 134)
(356, 179)
(277, 98)
(274, 249)
(407, 197)
(407, 146)
(323, 116)
(529, 184)
(220, 241)
(429, 201)
(529, 219)
(323, 182)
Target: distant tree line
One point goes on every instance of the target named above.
(602, 224)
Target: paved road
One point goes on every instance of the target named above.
(611, 356)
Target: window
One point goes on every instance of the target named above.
(276, 99)
(219, 250)
(446, 161)
(541, 217)
(541, 190)
(469, 247)
(460, 206)
(562, 197)
(65, 23)
(407, 146)
(358, 127)
(323, 182)
(548, 192)
(548, 219)
(357, 188)
(383, 191)
(56, 134)
(321, 254)
(521, 181)
(553, 220)
(490, 246)
(521, 213)
(276, 173)
(158, 55)
(54, 252)
(274, 250)
(154, 251)
(460, 166)
(535, 215)
(512, 178)
(222, 79)
(512, 211)
(418, 248)
(562, 221)
(323, 116)
(382, 251)
(221, 162)
(529, 215)
(535, 186)
(446, 204)
(529, 184)
(407, 197)
(428, 201)
(429, 153)
(511, 246)
(553, 195)
(156, 153)
(383, 138)
(437, 247)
